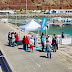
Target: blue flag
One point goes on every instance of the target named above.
(43, 24)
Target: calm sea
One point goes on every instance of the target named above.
(67, 29)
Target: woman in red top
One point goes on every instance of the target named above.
(17, 39)
(47, 42)
(26, 41)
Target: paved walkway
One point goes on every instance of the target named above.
(21, 61)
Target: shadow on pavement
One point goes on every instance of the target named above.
(43, 56)
(6, 44)
(39, 50)
(21, 48)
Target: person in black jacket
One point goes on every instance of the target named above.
(54, 45)
(62, 35)
(23, 43)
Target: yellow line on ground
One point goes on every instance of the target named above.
(65, 54)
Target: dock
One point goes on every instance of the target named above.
(22, 61)
(37, 15)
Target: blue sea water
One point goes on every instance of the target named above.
(67, 29)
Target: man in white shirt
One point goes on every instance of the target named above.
(31, 42)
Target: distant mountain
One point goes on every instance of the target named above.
(54, 4)
(36, 4)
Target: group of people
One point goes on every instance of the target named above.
(49, 45)
(26, 41)
(13, 39)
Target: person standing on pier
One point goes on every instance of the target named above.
(9, 38)
(42, 41)
(54, 45)
(15, 36)
(48, 48)
(62, 34)
(31, 42)
(23, 43)
(56, 42)
(26, 42)
(13, 40)
(17, 39)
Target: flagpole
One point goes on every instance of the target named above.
(26, 6)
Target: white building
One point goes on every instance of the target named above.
(5, 12)
(61, 11)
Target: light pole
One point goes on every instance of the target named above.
(26, 6)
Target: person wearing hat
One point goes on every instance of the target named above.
(13, 40)
(31, 42)
(12, 33)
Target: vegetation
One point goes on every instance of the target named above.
(44, 10)
(20, 9)
(25, 8)
(29, 9)
(41, 9)
(3, 8)
(32, 0)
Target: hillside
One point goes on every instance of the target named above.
(36, 4)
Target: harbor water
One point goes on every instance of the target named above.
(52, 29)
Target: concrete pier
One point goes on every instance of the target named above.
(21, 61)
(0, 69)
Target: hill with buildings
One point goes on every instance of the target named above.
(36, 4)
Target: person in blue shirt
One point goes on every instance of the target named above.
(42, 41)
(9, 38)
